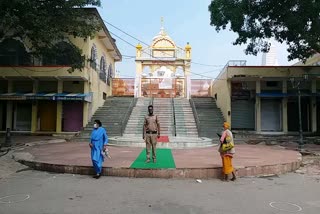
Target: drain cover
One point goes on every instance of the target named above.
(14, 198)
(285, 206)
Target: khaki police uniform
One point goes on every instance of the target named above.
(151, 128)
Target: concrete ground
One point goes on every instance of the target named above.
(38, 192)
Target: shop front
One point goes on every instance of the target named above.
(47, 114)
(293, 114)
(72, 119)
(48, 109)
(271, 114)
(22, 116)
(3, 115)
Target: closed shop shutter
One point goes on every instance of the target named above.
(293, 114)
(271, 115)
(318, 114)
(243, 114)
(23, 117)
(3, 114)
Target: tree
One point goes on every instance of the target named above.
(42, 24)
(296, 22)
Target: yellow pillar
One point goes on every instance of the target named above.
(34, 114)
(258, 107)
(85, 105)
(314, 107)
(59, 108)
(284, 107)
(9, 106)
(138, 50)
(188, 51)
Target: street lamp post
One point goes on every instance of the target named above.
(296, 84)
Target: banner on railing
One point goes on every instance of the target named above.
(201, 87)
(123, 87)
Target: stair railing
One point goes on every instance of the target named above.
(174, 118)
(196, 117)
(127, 115)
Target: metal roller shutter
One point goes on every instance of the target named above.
(243, 114)
(270, 115)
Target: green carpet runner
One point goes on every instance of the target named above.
(164, 160)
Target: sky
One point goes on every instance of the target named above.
(184, 21)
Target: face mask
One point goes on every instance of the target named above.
(95, 125)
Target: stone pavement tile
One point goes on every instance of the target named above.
(249, 160)
(246, 155)
(79, 154)
(196, 158)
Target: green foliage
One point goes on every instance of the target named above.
(296, 22)
(43, 23)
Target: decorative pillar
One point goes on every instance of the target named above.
(85, 119)
(188, 51)
(314, 106)
(9, 106)
(59, 108)
(34, 113)
(137, 82)
(284, 107)
(188, 80)
(138, 50)
(258, 106)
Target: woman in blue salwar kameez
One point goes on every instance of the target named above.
(98, 144)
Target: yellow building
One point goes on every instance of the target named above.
(41, 96)
(265, 98)
(314, 60)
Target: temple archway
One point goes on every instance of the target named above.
(163, 68)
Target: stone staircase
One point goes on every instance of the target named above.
(184, 118)
(209, 115)
(134, 126)
(163, 108)
(111, 115)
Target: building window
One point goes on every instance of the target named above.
(93, 58)
(62, 53)
(13, 53)
(103, 74)
(110, 72)
(104, 96)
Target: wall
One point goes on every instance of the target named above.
(271, 71)
(97, 86)
(221, 88)
(73, 86)
(47, 86)
(22, 86)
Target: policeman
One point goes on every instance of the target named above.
(151, 131)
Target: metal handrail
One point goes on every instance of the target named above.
(128, 113)
(195, 113)
(174, 118)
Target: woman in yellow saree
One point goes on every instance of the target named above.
(226, 156)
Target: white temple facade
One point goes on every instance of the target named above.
(163, 69)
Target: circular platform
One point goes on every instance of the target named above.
(175, 142)
(202, 163)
